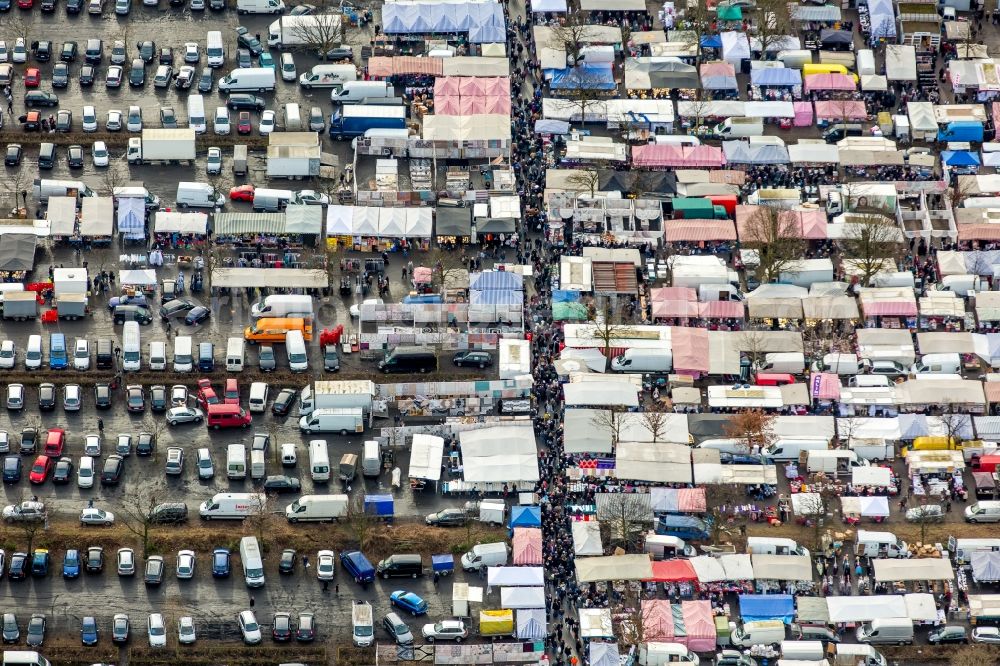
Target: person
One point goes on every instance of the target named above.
(305, 561)
(326, 585)
(100, 425)
(90, 503)
(251, 601)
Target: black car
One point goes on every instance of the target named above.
(282, 484)
(146, 444)
(147, 50)
(63, 472)
(14, 154)
(48, 6)
(167, 56)
(112, 472)
(46, 396)
(241, 101)
(283, 403)
(197, 315)
(68, 52)
(64, 121)
(42, 50)
(135, 398)
(74, 6)
(177, 306)
(11, 633)
(474, 358)
(205, 81)
(36, 630)
(74, 156)
(154, 570)
(286, 564)
(87, 75)
(18, 568)
(331, 360)
(158, 398)
(281, 628)
(12, 469)
(447, 518)
(342, 52)
(29, 440)
(119, 628)
(60, 75)
(306, 630)
(168, 119)
(95, 560)
(102, 395)
(40, 98)
(137, 73)
(245, 39)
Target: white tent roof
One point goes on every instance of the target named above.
(862, 427)
(913, 570)
(62, 215)
(500, 454)
(596, 622)
(920, 607)
(515, 577)
(604, 654)
(582, 435)
(900, 62)
(871, 476)
(803, 426)
(587, 538)
(289, 278)
(531, 624)
(601, 393)
(182, 223)
(782, 567)
(143, 276)
(522, 597)
(97, 216)
(660, 462)
(634, 428)
(419, 222)
(709, 569)
(425, 457)
(339, 220)
(819, 153)
(737, 566)
(866, 609)
(480, 127)
(613, 567)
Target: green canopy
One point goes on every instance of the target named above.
(567, 311)
(732, 13)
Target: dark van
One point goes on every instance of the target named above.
(840, 131)
(124, 313)
(105, 354)
(398, 566)
(206, 357)
(169, 512)
(409, 359)
(47, 156)
(357, 566)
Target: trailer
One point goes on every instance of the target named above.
(162, 145)
(71, 306)
(240, 159)
(20, 306)
(294, 162)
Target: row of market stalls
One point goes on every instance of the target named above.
(481, 20)
(92, 223)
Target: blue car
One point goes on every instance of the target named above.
(71, 564)
(88, 632)
(40, 563)
(357, 566)
(197, 315)
(409, 602)
(220, 563)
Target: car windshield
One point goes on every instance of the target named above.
(251, 625)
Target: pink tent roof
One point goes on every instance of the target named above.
(446, 85)
(422, 274)
(721, 310)
(400, 65)
(691, 500)
(690, 231)
(690, 347)
(472, 106)
(497, 105)
(718, 68)
(527, 546)
(656, 155)
(848, 109)
(448, 105)
(699, 625)
(824, 386)
(830, 82)
(471, 85)
(890, 309)
(673, 294)
(985, 231)
(669, 571)
(657, 620)
(811, 222)
(675, 308)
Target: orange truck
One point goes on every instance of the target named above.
(274, 329)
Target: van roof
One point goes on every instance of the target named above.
(223, 409)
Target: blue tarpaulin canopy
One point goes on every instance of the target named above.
(565, 296)
(767, 607)
(525, 516)
(959, 158)
(776, 76)
(483, 21)
(711, 42)
(496, 297)
(583, 77)
(496, 280)
(379, 505)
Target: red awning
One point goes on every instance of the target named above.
(690, 231)
(670, 571)
(721, 310)
(890, 309)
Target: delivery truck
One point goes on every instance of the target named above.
(20, 305)
(71, 306)
(290, 32)
(331, 394)
(162, 145)
(961, 130)
(232, 506)
(294, 162)
(341, 420)
(356, 119)
(314, 508)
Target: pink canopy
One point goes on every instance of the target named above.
(472, 106)
(718, 68)
(830, 82)
(527, 546)
(824, 386)
(657, 621)
(985, 231)
(673, 294)
(672, 571)
(448, 106)
(471, 85)
(810, 222)
(663, 155)
(446, 85)
(691, 500)
(693, 231)
(699, 625)
(690, 347)
(890, 309)
(721, 310)
(803, 114)
(675, 308)
(422, 274)
(842, 110)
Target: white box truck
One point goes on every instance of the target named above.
(850, 654)
(331, 394)
(232, 506)
(283, 305)
(290, 32)
(485, 555)
(342, 420)
(371, 459)
(314, 508)
(643, 360)
(162, 145)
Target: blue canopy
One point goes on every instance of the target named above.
(496, 297)
(776, 76)
(767, 607)
(525, 516)
(379, 505)
(711, 42)
(583, 77)
(565, 296)
(496, 280)
(483, 21)
(959, 158)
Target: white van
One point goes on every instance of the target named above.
(362, 624)
(485, 555)
(803, 650)
(24, 658)
(222, 124)
(937, 364)
(757, 632)
(793, 363)
(868, 381)
(258, 465)
(882, 631)
(328, 76)
(288, 72)
(643, 360)
(319, 461)
(236, 461)
(260, 6)
(157, 355)
(235, 354)
(253, 563)
(215, 49)
(248, 79)
(258, 396)
(838, 364)
(371, 460)
(676, 140)
(183, 359)
(270, 200)
(8, 355)
(198, 195)
(232, 506)
(353, 92)
(283, 305)
(33, 353)
(774, 546)
(786, 449)
(731, 445)
(655, 653)
(295, 346)
(987, 511)
(45, 187)
(962, 549)
(196, 114)
(131, 347)
(880, 544)
(293, 117)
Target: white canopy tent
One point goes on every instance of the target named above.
(871, 476)
(137, 276)
(596, 622)
(587, 538)
(502, 454)
(168, 222)
(609, 393)
(660, 462)
(866, 608)
(97, 216)
(614, 567)
(289, 278)
(515, 577)
(709, 569)
(887, 570)
(426, 453)
(581, 435)
(782, 567)
(522, 597)
(61, 213)
(531, 624)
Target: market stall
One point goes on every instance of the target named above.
(181, 231)
(132, 218)
(97, 220)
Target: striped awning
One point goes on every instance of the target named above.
(405, 65)
(721, 310)
(248, 223)
(677, 231)
(890, 309)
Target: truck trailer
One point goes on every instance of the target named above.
(162, 145)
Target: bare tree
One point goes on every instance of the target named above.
(777, 240)
(872, 241)
(320, 35)
(771, 23)
(114, 177)
(625, 518)
(585, 93)
(262, 519)
(136, 512)
(753, 427)
(611, 421)
(15, 26)
(570, 36)
(954, 421)
(698, 20)
(359, 522)
(29, 526)
(721, 500)
(753, 342)
(609, 328)
(16, 186)
(923, 516)
(635, 618)
(655, 420)
(585, 180)
(816, 506)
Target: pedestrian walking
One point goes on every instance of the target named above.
(100, 425)
(10, 106)
(251, 601)
(326, 585)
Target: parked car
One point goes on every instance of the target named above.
(445, 630)
(408, 601)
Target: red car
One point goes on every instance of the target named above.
(206, 394)
(32, 77)
(25, 4)
(231, 396)
(54, 441)
(243, 125)
(41, 469)
(241, 193)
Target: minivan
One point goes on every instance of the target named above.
(33, 353)
(399, 566)
(357, 566)
(295, 346)
(937, 364)
(131, 347)
(987, 511)
(235, 354)
(410, 360)
(198, 195)
(258, 396)
(183, 361)
(8, 357)
(105, 354)
(839, 131)
(169, 512)
(288, 67)
(57, 351)
(228, 416)
(253, 564)
(157, 355)
(136, 313)
(47, 155)
(206, 357)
